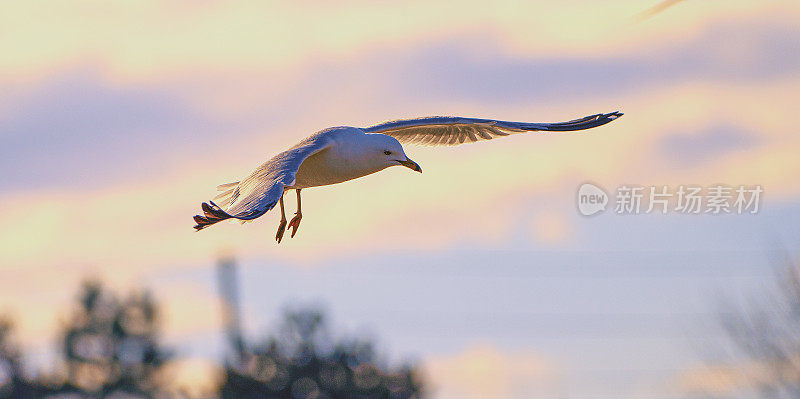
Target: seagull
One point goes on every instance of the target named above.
(339, 154)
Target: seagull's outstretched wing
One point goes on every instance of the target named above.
(259, 192)
(448, 130)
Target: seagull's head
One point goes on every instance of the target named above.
(388, 152)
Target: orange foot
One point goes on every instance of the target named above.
(281, 230)
(294, 224)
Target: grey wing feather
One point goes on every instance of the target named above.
(264, 187)
(448, 130)
(224, 198)
(261, 190)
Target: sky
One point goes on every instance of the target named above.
(118, 119)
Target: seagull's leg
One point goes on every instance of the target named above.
(282, 226)
(295, 223)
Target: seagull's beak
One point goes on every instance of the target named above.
(408, 163)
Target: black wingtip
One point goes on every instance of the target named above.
(586, 122)
(211, 214)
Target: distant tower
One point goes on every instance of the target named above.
(229, 293)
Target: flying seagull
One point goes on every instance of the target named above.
(339, 154)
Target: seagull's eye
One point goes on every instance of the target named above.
(387, 152)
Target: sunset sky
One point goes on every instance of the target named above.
(117, 119)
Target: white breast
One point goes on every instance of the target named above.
(339, 163)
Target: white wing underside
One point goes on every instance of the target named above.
(446, 130)
(262, 189)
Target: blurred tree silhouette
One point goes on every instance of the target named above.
(109, 349)
(763, 331)
(13, 383)
(110, 346)
(303, 362)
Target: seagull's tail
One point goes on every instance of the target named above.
(586, 122)
(211, 214)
